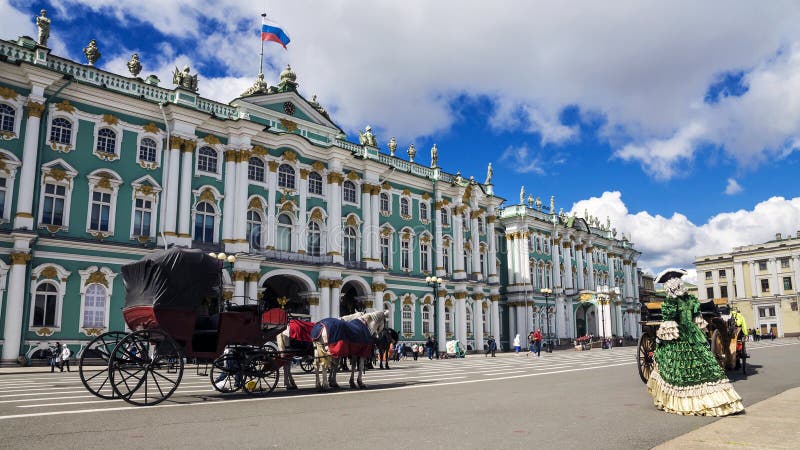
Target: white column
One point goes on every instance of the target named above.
(635, 272)
(461, 322)
(590, 282)
(15, 303)
(738, 270)
(252, 287)
(477, 329)
(476, 247)
(511, 258)
(605, 319)
(366, 216)
(523, 244)
(272, 187)
(522, 325)
(441, 329)
(556, 262)
(375, 208)
(579, 269)
(492, 257)
(240, 208)
(495, 331)
(628, 280)
(561, 322)
(618, 311)
(377, 300)
(568, 282)
(172, 193)
(776, 288)
(335, 222)
(239, 278)
(437, 221)
(336, 292)
(324, 298)
(302, 221)
(24, 216)
(569, 326)
(185, 205)
(314, 310)
(755, 292)
(230, 199)
(458, 251)
(612, 279)
(795, 261)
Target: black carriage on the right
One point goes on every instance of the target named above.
(724, 328)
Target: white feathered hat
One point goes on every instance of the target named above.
(672, 272)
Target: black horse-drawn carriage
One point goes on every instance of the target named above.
(174, 307)
(725, 337)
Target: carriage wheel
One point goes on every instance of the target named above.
(261, 372)
(93, 365)
(145, 367)
(226, 373)
(307, 363)
(645, 359)
(718, 349)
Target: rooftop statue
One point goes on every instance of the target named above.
(434, 156)
(412, 152)
(392, 146)
(522, 195)
(489, 173)
(134, 66)
(91, 52)
(538, 203)
(184, 80)
(367, 138)
(43, 23)
(530, 200)
(552, 204)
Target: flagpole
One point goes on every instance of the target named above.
(261, 65)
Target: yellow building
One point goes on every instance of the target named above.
(759, 279)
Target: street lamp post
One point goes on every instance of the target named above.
(222, 258)
(546, 292)
(435, 283)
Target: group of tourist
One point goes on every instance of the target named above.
(59, 357)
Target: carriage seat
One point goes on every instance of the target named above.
(205, 323)
(204, 338)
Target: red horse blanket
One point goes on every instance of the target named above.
(300, 330)
(346, 338)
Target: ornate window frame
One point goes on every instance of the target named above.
(104, 277)
(317, 215)
(385, 212)
(468, 318)
(57, 276)
(16, 102)
(111, 123)
(387, 232)
(295, 176)
(427, 206)
(264, 170)
(210, 194)
(425, 239)
(407, 235)
(51, 174)
(426, 307)
(218, 148)
(149, 132)
(8, 170)
(323, 184)
(59, 111)
(145, 188)
(356, 189)
(100, 182)
(354, 222)
(409, 304)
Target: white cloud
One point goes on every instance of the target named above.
(397, 66)
(520, 160)
(676, 241)
(733, 187)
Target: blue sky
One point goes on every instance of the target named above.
(679, 121)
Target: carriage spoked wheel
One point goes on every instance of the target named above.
(93, 365)
(718, 349)
(145, 367)
(227, 373)
(307, 363)
(645, 360)
(261, 372)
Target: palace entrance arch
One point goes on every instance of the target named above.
(354, 296)
(291, 289)
(586, 319)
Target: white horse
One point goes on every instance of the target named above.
(283, 343)
(375, 323)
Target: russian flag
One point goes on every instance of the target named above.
(271, 31)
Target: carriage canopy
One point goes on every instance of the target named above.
(176, 278)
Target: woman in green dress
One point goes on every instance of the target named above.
(687, 379)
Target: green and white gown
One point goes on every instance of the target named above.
(687, 379)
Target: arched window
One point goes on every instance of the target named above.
(7, 114)
(405, 210)
(147, 150)
(448, 320)
(349, 192)
(426, 319)
(385, 205)
(94, 307)
(469, 320)
(61, 131)
(446, 258)
(481, 229)
(445, 217)
(45, 304)
(255, 169)
(207, 160)
(538, 245)
(101, 210)
(204, 222)
(405, 254)
(349, 244)
(548, 279)
(314, 243)
(286, 176)
(424, 255)
(106, 141)
(423, 212)
(55, 196)
(314, 183)
(408, 315)
(464, 221)
(254, 222)
(284, 241)
(386, 251)
(483, 263)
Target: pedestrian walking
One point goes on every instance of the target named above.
(531, 344)
(52, 356)
(414, 350)
(429, 347)
(65, 355)
(491, 346)
(516, 344)
(537, 340)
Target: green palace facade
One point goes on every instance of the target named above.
(99, 169)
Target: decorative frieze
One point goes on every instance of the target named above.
(35, 109)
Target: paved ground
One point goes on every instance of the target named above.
(563, 400)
